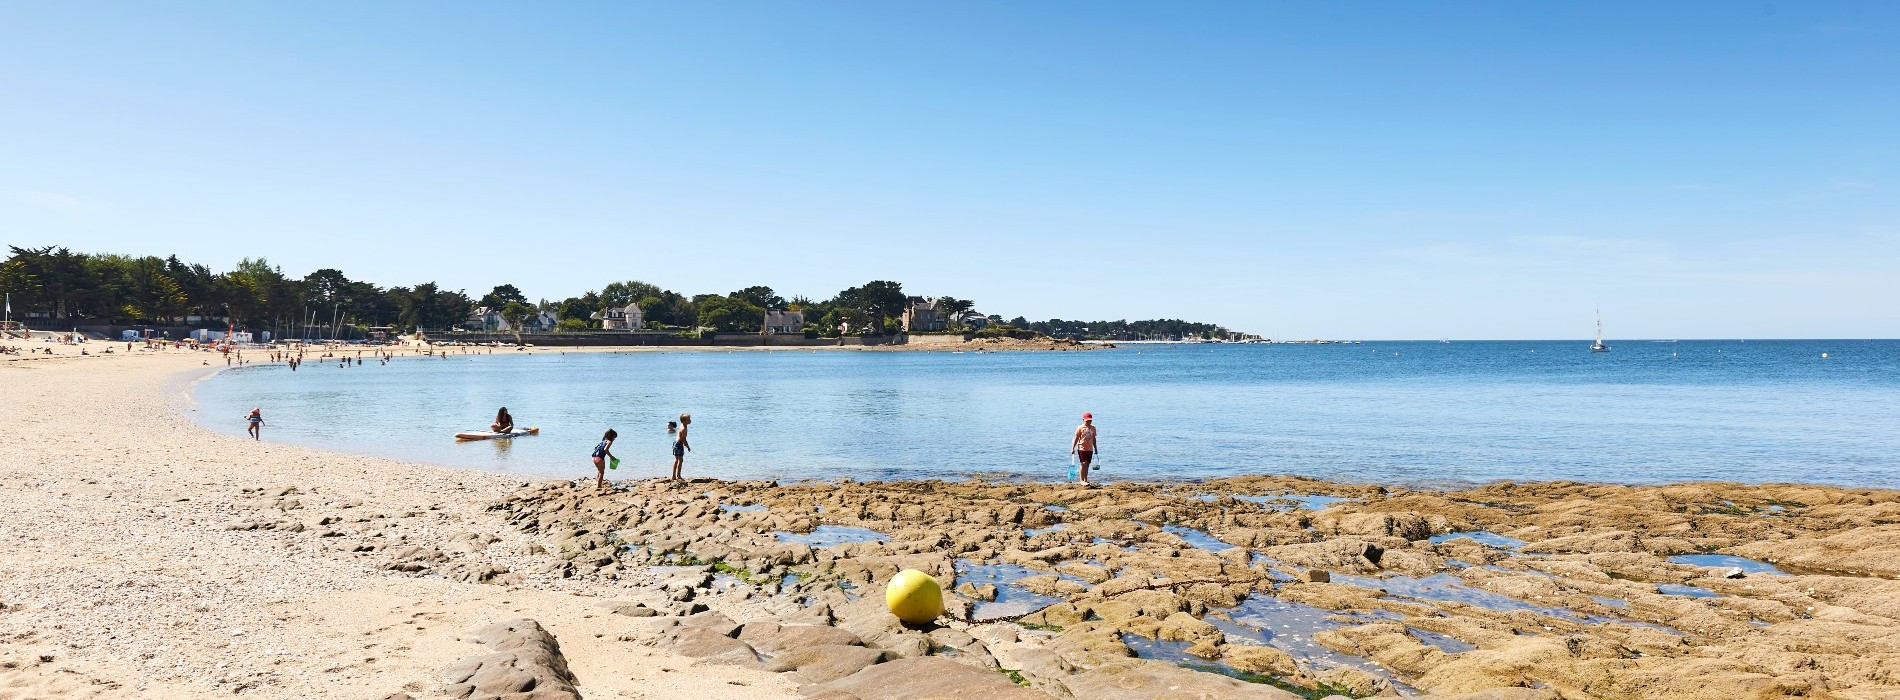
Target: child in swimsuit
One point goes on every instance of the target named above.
(603, 452)
(256, 419)
(680, 446)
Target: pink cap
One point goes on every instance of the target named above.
(1088, 416)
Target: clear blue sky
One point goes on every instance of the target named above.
(1351, 170)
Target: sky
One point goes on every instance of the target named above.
(1360, 170)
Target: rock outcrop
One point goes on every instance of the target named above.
(525, 664)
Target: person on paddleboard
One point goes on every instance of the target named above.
(603, 452)
(1083, 446)
(504, 423)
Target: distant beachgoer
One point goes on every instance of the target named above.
(680, 445)
(603, 452)
(1083, 446)
(503, 422)
(256, 420)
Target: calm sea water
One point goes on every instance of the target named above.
(1422, 413)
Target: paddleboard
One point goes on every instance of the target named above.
(486, 435)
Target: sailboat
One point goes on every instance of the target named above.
(1599, 346)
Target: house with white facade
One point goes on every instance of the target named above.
(620, 318)
(484, 319)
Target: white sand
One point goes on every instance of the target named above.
(116, 564)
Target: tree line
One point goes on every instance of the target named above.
(57, 284)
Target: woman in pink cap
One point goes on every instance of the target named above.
(1083, 446)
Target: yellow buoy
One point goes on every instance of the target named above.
(914, 597)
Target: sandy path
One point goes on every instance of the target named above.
(119, 577)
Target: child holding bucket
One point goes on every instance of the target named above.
(603, 453)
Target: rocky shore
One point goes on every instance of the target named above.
(148, 558)
(1265, 587)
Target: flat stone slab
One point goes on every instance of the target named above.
(924, 678)
(1154, 680)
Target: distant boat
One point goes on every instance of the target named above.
(1599, 346)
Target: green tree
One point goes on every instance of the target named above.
(954, 308)
(516, 313)
(729, 314)
(620, 294)
(581, 308)
(760, 296)
(869, 304)
(502, 296)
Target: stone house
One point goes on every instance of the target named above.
(922, 314)
(783, 322)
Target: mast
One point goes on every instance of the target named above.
(1599, 326)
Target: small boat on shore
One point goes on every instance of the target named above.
(487, 435)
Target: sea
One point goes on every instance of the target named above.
(1423, 414)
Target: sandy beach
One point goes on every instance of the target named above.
(146, 557)
(125, 577)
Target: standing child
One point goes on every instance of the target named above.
(603, 452)
(680, 445)
(256, 419)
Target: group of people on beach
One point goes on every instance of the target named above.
(604, 458)
(1082, 444)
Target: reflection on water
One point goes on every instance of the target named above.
(1686, 590)
(1444, 642)
(1483, 537)
(1011, 597)
(1434, 413)
(1450, 588)
(1724, 561)
(1034, 531)
(1197, 538)
(1309, 501)
(1289, 627)
(829, 535)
